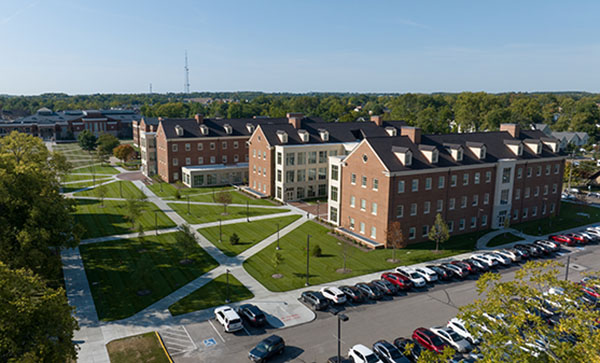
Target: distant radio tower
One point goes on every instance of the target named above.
(150, 88)
(186, 85)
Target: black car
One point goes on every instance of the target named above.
(370, 290)
(475, 268)
(315, 299)
(533, 252)
(252, 314)
(440, 272)
(267, 348)
(521, 252)
(545, 249)
(451, 273)
(480, 267)
(388, 353)
(386, 287)
(353, 294)
(414, 353)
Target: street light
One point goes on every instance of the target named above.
(156, 222)
(220, 231)
(227, 286)
(188, 199)
(307, 257)
(341, 317)
(278, 236)
(247, 212)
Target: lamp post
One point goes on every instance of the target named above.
(307, 257)
(318, 210)
(156, 222)
(220, 231)
(188, 203)
(247, 213)
(121, 189)
(278, 236)
(341, 317)
(227, 286)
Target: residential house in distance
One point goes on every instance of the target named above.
(289, 161)
(63, 125)
(574, 138)
(475, 180)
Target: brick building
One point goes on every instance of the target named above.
(289, 161)
(202, 151)
(475, 180)
(65, 125)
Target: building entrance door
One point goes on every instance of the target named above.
(501, 218)
(289, 193)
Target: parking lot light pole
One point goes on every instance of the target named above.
(247, 212)
(567, 269)
(188, 198)
(121, 189)
(220, 231)
(227, 301)
(341, 317)
(278, 236)
(307, 257)
(156, 222)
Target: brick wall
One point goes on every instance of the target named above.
(261, 164)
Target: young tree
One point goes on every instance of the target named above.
(186, 240)
(87, 140)
(106, 144)
(395, 239)
(101, 157)
(277, 260)
(234, 239)
(439, 232)
(133, 210)
(224, 198)
(316, 251)
(101, 193)
(517, 306)
(36, 321)
(124, 152)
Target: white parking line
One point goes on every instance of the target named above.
(188, 334)
(246, 330)
(215, 329)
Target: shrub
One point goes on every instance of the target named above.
(177, 194)
(316, 251)
(234, 239)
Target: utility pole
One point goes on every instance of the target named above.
(307, 257)
(186, 85)
(571, 169)
(278, 236)
(341, 317)
(220, 231)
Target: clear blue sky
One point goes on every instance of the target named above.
(99, 46)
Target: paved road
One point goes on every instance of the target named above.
(317, 340)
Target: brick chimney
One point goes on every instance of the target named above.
(295, 119)
(199, 118)
(513, 129)
(151, 128)
(378, 119)
(413, 133)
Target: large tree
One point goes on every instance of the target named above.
(106, 144)
(124, 152)
(36, 324)
(87, 140)
(36, 219)
(510, 317)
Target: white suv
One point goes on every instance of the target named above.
(414, 276)
(334, 294)
(427, 273)
(227, 317)
(361, 354)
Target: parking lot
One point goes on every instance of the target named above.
(388, 319)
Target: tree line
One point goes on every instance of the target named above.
(434, 113)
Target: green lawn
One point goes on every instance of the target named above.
(76, 177)
(109, 220)
(323, 269)
(503, 239)
(236, 198)
(212, 213)
(168, 190)
(138, 348)
(112, 190)
(249, 233)
(71, 187)
(568, 217)
(118, 271)
(212, 294)
(98, 169)
(205, 194)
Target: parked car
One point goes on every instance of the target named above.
(386, 287)
(361, 354)
(452, 273)
(594, 232)
(353, 294)
(533, 252)
(491, 262)
(475, 266)
(371, 291)
(227, 317)
(397, 279)
(523, 253)
(429, 340)
(428, 274)
(464, 266)
(388, 353)
(546, 250)
(315, 299)
(504, 261)
(252, 314)
(513, 256)
(554, 246)
(456, 270)
(562, 239)
(580, 239)
(415, 277)
(267, 348)
(441, 273)
(334, 294)
(452, 338)
(592, 238)
(413, 353)
(458, 326)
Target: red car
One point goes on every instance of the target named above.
(577, 237)
(395, 278)
(562, 239)
(463, 265)
(429, 340)
(589, 290)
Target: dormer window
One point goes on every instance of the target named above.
(551, 143)
(228, 129)
(283, 136)
(303, 135)
(391, 131)
(204, 130)
(435, 156)
(478, 149)
(534, 145)
(459, 154)
(250, 127)
(455, 150)
(430, 152)
(324, 134)
(516, 146)
(482, 153)
(403, 154)
(178, 130)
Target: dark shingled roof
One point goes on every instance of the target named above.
(46, 116)
(494, 142)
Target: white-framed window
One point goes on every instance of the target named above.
(525, 212)
(290, 159)
(290, 176)
(175, 161)
(351, 223)
(484, 220)
(451, 203)
(188, 161)
(473, 222)
(554, 188)
(413, 209)
(375, 184)
(450, 226)
(362, 228)
(188, 147)
(488, 176)
(363, 181)
(441, 182)
(536, 191)
(515, 214)
(453, 180)
(556, 168)
(519, 173)
(548, 169)
(236, 158)
(412, 233)
(466, 179)
(399, 211)
(175, 148)
(426, 207)
(415, 185)
(200, 160)
(363, 204)
(475, 200)
(254, 154)
(200, 146)
(175, 176)
(265, 155)
(214, 146)
(529, 170)
(477, 178)
(425, 230)
(373, 232)
(538, 170)
(353, 179)
(486, 198)
(534, 211)
(279, 174)
(224, 159)
(527, 193)
(461, 224)
(352, 201)
(236, 144)
(374, 208)
(213, 160)
(545, 189)
(427, 183)
(552, 207)
(334, 193)
(463, 201)
(400, 186)
(517, 194)
(440, 205)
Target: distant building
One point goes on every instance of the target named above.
(573, 138)
(62, 125)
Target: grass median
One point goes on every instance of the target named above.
(249, 233)
(325, 268)
(571, 215)
(206, 194)
(117, 189)
(138, 348)
(109, 219)
(212, 294)
(212, 213)
(503, 239)
(97, 169)
(128, 275)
